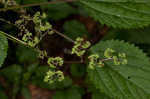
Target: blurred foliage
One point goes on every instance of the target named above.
(23, 54)
(74, 29)
(77, 70)
(138, 36)
(3, 95)
(58, 11)
(71, 93)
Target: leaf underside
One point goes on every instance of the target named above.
(131, 81)
(119, 13)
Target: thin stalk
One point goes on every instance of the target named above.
(14, 39)
(107, 59)
(64, 36)
(36, 4)
(18, 41)
(73, 62)
(6, 21)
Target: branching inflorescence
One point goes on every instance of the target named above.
(80, 47)
(40, 28)
(110, 55)
(54, 75)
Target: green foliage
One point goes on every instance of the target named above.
(115, 69)
(3, 95)
(71, 93)
(58, 11)
(77, 70)
(98, 95)
(74, 29)
(3, 48)
(128, 81)
(138, 36)
(26, 93)
(14, 72)
(32, 1)
(23, 53)
(119, 13)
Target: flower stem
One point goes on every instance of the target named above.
(64, 36)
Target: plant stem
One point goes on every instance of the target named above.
(107, 59)
(64, 36)
(36, 4)
(13, 38)
(73, 62)
(6, 21)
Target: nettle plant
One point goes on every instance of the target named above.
(116, 68)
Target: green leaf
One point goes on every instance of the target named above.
(71, 93)
(119, 13)
(74, 29)
(3, 95)
(3, 48)
(77, 70)
(138, 36)
(98, 95)
(58, 11)
(18, 1)
(130, 81)
(26, 93)
(25, 54)
(33, 1)
(12, 73)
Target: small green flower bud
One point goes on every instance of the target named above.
(93, 59)
(116, 60)
(80, 46)
(87, 44)
(53, 62)
(60, 76)
(52, 76)
(108, 53)
(49, 77)
(42, 54)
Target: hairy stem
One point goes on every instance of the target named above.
(36, 4)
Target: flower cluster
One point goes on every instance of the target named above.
(55, 75)
(80, 46)
(109, 54)
(40, 28)
(95, 61)
(54, 62)
(118, 58)
(42, 54)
